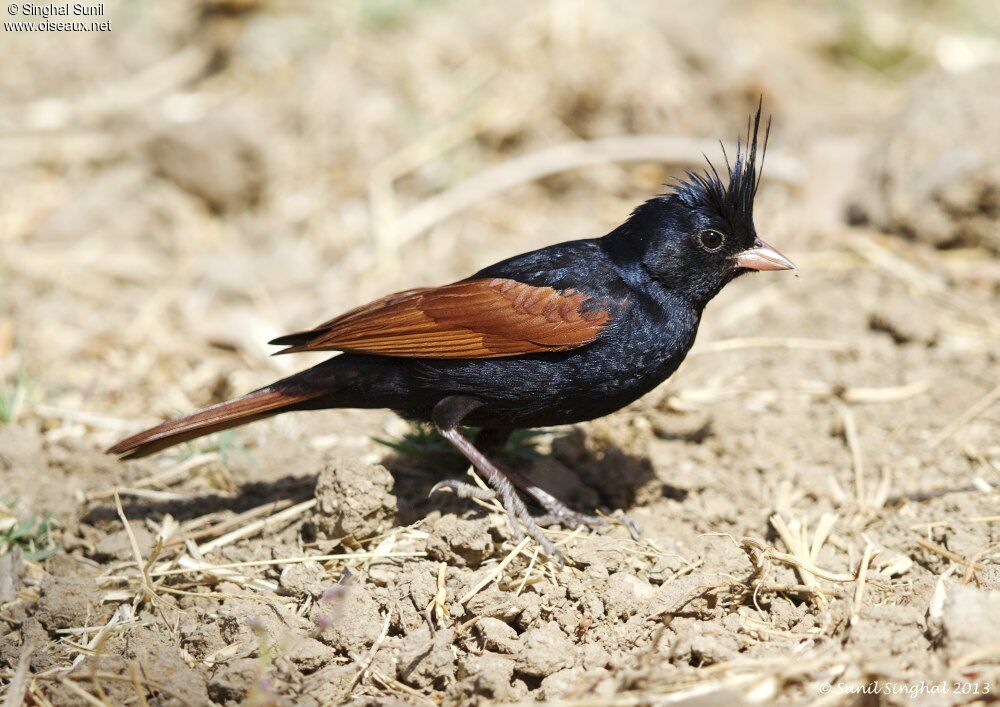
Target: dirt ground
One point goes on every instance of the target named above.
(816, 487)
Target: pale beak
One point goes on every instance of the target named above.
(763, 257)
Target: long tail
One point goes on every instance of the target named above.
(278, 397)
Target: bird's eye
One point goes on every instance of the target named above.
(711, 240)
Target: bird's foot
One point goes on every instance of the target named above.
(630, 525)
(517, 512)
(447, 415)
(463, 489)
(559, 512)
(571, 519)
(522, 523)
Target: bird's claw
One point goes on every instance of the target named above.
(571, 519)
(630, 525)
(559, 513)
(533, 529)
(521, 522)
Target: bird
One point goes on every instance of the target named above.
(556, 336)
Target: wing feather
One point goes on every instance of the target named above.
(482, 318)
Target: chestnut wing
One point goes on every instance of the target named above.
(481, 318)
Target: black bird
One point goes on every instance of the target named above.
(556, 336)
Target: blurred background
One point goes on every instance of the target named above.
(210, 174)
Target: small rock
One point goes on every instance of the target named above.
(460, 542)
(497, 635)
(704, 643)
(233, 681)
(330, 685)
(309, 654)
(971, 620)
(118, 546)
(937, 168)
(626, 595)
(303, 578)
(351, 624)
(426, 661)
(354, 499)
(594, 656)
(20, 449)
(570, 682)
(899, 323)
(160, 656)
(422, 584)
(218, 163)
(34, 634)
(484, 675)
(502, 605)
(66, 602)
(545, 651)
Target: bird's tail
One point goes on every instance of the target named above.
(283, 396)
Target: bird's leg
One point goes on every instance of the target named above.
(557, 511)
(488, 441)
(447, 416)
(491, 440)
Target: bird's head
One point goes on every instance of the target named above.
(700, 236)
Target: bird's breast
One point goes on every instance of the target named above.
(633, 358)
(639, 356)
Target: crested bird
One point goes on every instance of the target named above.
(567, 333)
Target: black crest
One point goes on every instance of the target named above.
(732, 200)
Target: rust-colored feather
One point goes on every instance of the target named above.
(232, 413)
(483, 318)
